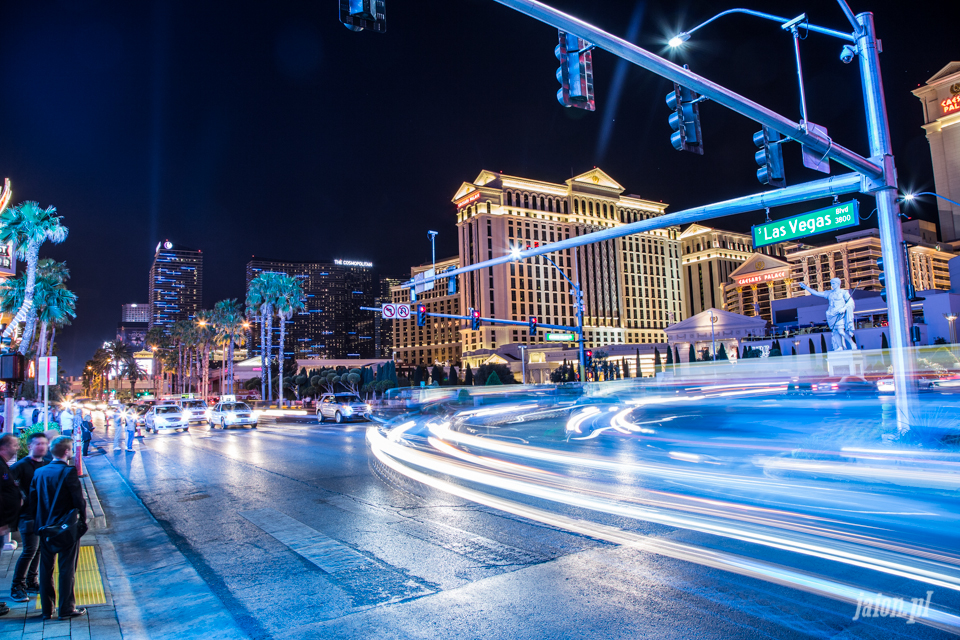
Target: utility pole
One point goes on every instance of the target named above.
(433, 248)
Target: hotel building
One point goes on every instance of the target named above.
(438, 341)
(176, 284)
(631, 285)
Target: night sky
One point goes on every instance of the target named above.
(268, 128)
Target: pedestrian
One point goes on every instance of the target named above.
(86, 433)
(130, 424)
(118, 420)
(10, 499)
(25, 573)
(54, 493)
(65, 418)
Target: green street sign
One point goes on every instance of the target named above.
(561, 337)
(837, 216)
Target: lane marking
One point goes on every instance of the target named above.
(326, 553)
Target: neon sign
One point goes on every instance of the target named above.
(763, 277)
(951, 104)
(353, 263)
(473, 197)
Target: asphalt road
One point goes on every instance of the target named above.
(299, 538)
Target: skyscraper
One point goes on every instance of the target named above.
(176, 284)
(135, 312)
(332, 324)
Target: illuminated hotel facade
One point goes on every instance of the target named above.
(176, 284)
(631, 285)
(941, 121)
(710, 257)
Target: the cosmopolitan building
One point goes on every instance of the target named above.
(941, 113)
(332, 325)
(176, 284)
(631, 285)
(710, 256)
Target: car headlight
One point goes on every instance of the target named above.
(348, 409)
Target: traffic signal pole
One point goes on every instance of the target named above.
(899, 311)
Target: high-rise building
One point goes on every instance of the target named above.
(382, 331)
(941, 111)
(332, 325)
(631, 285)
(438, 341)
(135, 312)
(176, 284)
(709, 257)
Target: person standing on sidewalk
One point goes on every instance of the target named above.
(10, 500)
(118, 420)
(25, 574)
(130, 424)
(86, 433)
(56, 490)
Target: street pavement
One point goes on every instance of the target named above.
(287, 532)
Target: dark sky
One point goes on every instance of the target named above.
(268, 128)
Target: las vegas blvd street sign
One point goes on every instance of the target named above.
(823, 220)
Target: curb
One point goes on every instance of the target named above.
(96, 519)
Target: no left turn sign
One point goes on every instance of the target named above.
(389, 311)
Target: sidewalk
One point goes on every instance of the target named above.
(134, 582)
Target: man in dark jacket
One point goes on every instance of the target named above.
(48, 507)
(25, 575)
(10, 499)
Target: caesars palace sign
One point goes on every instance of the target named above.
(769, 276)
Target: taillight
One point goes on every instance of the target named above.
(833, 386)
(813, 387)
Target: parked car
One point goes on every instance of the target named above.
(194, 410)
(341, 407)
(165, 417)
(231, 414)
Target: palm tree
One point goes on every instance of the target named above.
(289, 300)
(102, 364)
(28, 226)
(261, 299)
(120, 355)
(89, 376)
(231, 328)
(205, 335)
(133, 372)
(156, 339)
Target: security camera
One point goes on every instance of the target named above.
(848, 53)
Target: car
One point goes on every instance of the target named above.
(231, 414)
(165, 417)
(342, 407)
(194, 410)
(844, 386)
(139, 414)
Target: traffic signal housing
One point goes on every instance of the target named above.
(883, 279)
(533, 325)
(588, 359)
(474, 319)
(358, 15)
(421, 315)
(769, 157)
(685, 119)
(575, 73)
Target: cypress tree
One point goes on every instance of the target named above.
(669, 355)
(656, 360)
(810, 346)
(468, 376)
(676, 355)
(722, 353)
(823, 344)
(692, 357)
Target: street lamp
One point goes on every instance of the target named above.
(951, 318)
(910, 197)
(523, 363)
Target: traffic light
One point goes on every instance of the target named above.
(685, 119)
(769, 157)
(452, 285)
(358, 15)
(575, 73)
(421, 315)
(474, 319)
(533, 325)
(588, 359)
(908, 271)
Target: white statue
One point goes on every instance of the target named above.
(839, 314)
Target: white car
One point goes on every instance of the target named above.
(231, 414)
(194, 410)
(164, 417)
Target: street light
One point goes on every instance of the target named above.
(678, 39)
(523, 363)
(951, 318)
(910, 197)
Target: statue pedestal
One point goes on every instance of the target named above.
(845, 363)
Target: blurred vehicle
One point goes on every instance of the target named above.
(165, 417)
(231, 414)
(847, 386)
(139, 414)
(342, 407)
(194, 410)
